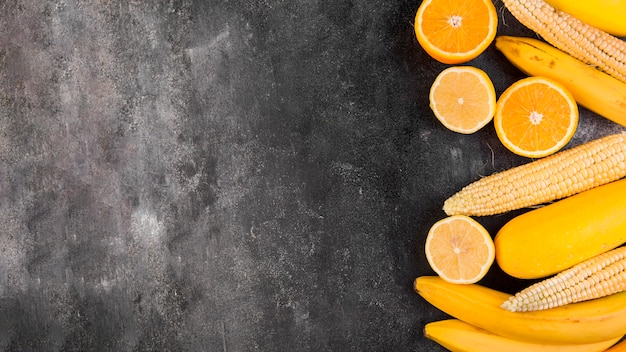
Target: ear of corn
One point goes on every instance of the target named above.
(600, 276)
(586, 43)
(554, 177)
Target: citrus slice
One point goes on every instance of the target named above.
(455, 31)
(459, 249)
(535, 117)
(463, 99)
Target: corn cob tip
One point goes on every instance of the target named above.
(510, 305)
(448, 208)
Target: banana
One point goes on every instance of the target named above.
(607, 15)
(620, 347)
(458, 336)
(586, 322)
(592, 89)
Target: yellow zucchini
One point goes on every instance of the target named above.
(555, 237)
(607, 15)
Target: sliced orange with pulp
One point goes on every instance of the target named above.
(536, 117)
(459, 249)
(463, 99)
(455, 31)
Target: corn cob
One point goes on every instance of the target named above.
(586, 43)
(554, 177)
(600, 276)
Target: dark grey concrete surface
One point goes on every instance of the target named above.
(255, 175)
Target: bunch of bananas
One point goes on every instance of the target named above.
(482, 325)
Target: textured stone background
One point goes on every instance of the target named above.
(225, 175)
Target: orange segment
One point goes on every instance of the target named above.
(536, 117)
(463, 99)
(455, 31)
(459, 249)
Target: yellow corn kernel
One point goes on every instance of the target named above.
(554, 177)
(597, 277)
(584, 42)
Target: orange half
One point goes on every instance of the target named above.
(455, 31)
(536, 117)
(463, 99)
(459, 249)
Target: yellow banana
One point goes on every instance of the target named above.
(620, 347)
(607, 15)
(593, 89)
(587, 322)
(459, 336)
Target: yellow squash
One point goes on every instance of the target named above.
(607, 15)
(555, 237)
